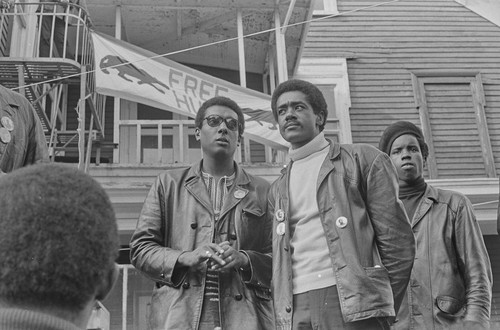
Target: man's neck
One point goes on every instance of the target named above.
(413, 186)
(218, 167)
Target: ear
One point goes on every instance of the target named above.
(107, 283)
(320, 119)
(197, 134)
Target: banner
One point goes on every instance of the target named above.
(127, 71)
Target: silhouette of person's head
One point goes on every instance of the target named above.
(58, 242)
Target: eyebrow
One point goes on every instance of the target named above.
(410, 145)
(290, 103)
(228, 117)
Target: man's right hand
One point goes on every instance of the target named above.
(197, 258)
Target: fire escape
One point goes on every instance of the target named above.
(46, 54)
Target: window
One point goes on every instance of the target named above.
(453, 120)
(325, 7)
(330, 75)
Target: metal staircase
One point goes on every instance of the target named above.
(46, 54)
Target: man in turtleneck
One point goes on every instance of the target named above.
(450, 285)
(342, 244)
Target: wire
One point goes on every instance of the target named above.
(485, 203)
(215, 42)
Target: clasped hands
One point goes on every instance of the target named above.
(221, 257)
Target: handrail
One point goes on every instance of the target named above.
(55, 22)
(55, 30)
(156, 128)
(178, 152)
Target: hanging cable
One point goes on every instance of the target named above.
(215, 43)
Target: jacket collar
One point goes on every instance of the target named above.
(326, 167)
(195, 185)
(334, 149)
(241, 178)
(8, 102)
(7, 97)
(333, 153)
(430, 197)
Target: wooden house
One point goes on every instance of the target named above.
(49, 52)
(433, 62)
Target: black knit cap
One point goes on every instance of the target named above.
(397, 129)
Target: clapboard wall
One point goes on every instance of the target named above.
(448, 50)
(389, 48)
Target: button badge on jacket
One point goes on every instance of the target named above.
(7, 123)
(280, 229)
(280, 215)
(239, 194)
(341, 222)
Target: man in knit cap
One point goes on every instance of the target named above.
(451, 279)
(342, 244)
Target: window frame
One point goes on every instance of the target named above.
(474, 79)
(329, 8)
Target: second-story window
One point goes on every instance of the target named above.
(325, 7)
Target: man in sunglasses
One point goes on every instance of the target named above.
(203, 235)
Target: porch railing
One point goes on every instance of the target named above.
(45, 46)
(157, 142)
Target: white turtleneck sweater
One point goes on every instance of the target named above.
(311, 264)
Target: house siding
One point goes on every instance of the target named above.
(385, 44)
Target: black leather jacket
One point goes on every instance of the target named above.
(368, 233)
(178, 216)
(451, 280)
(23, 143)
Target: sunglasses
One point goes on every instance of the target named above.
(215, 121)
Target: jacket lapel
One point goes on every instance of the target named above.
(196, 187)
(237, 192)
(327, 165)
(424, 205)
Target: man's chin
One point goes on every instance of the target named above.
(292, 136)
(223, 152)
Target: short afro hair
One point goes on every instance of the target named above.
(313, 96)
(222, 101)
(59, 237)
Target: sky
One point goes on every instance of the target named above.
(489, 9)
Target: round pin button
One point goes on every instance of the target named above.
(341, 222)
(7, 123)
(280, 215)
(4, 135)
(239, 194)
(280, 229)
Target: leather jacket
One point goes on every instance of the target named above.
(369, 237)
(451, 280)
(178, 216)
(22, 141)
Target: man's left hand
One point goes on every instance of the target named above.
(232, 257)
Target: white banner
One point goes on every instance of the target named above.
(127, 71)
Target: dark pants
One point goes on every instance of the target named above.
(320, 310)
